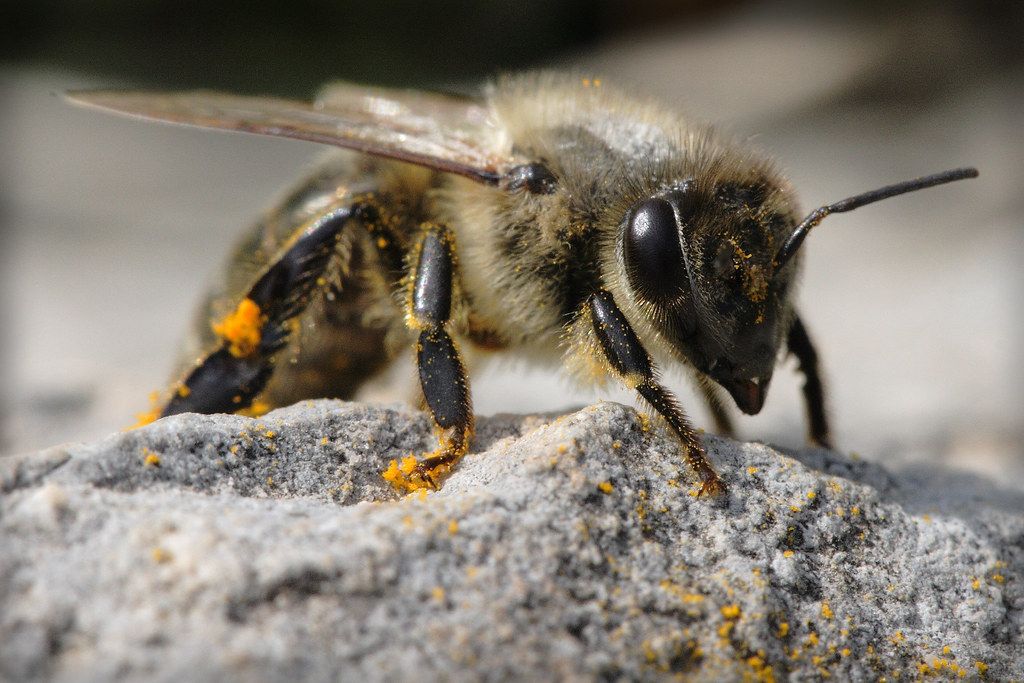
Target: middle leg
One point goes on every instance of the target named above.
(442, 373)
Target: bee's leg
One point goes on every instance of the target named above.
(442, 373)
(230, 377)
(800, 345)
(627, 356)
(719, 410)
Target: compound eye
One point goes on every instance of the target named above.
(653, 255)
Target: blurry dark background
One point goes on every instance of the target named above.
(110, 227)
(292, 48)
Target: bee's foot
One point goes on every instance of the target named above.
(711, 485)
(410, 475)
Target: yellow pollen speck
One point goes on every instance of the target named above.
(845, 652)
(257, 408)
(453, 527)
(561, 448)
(783, 629)
(382, 242)
(826, 610)
(731, 611)
(616, 444)
(323, 441)
(160, 556)
(270, 481)
(946, 650)
(725, 629)
(998, 578)
(982, 667)
(151, 415)
(270, 434)
(855, 510)
(605, 486)
(143, 419)
(787, 553)
(794, 508)
(751, 470)
(149, 458)
(811, 495)
(897, 638)
(976, 583)
(437, 593)
(241, 329)
(812, 639)
(183, 391)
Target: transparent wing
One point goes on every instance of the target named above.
(445, 133)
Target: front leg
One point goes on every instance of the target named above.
(442, 374)
(800, 345)
(628, 358)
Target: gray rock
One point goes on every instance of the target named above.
(561, 548)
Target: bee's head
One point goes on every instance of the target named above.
(712, 266)
(699, 261)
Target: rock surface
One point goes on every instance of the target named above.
(228, 548)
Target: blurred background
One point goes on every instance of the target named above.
(111, 228)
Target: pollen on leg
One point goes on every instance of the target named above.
(151, 415)
(258, 408)
(403, 475)
(411, 474)
(241, 328)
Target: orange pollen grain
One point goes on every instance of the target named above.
(241, 329)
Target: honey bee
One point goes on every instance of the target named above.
(555, 216)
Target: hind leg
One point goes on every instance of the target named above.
(250, 338)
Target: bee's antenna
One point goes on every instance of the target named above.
(855, 202)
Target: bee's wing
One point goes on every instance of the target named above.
(389, 103)
(444, 133)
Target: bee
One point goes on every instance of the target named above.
(555, 216)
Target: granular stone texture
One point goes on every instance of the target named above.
(226, 548)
